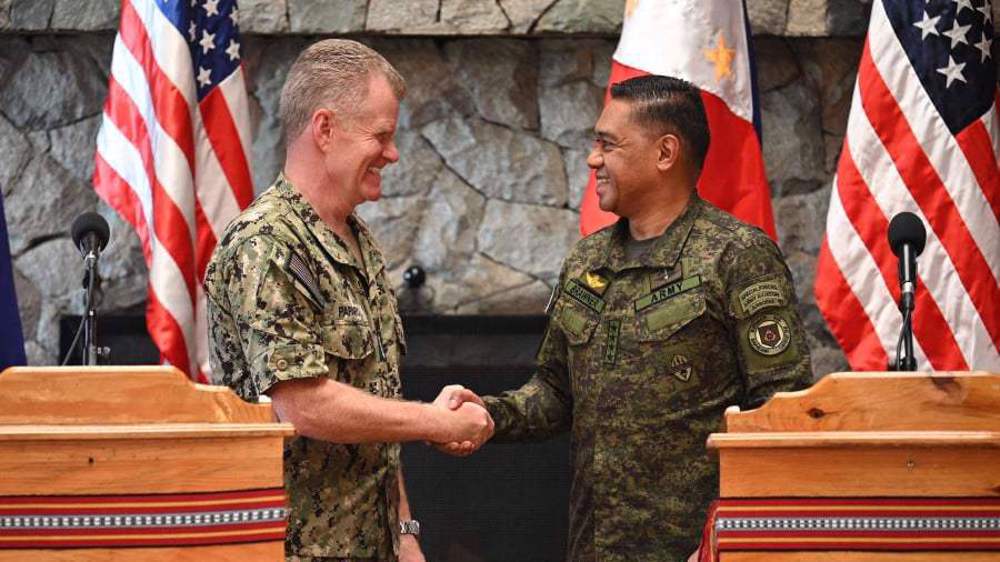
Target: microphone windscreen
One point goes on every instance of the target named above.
(907, 228)
(90, 223)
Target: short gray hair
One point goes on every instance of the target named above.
(333, 71)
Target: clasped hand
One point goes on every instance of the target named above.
(470, 425)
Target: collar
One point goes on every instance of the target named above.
(329, 241)
(666, 249)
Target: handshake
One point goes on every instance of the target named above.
(465, 423)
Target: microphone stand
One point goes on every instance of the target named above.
(91, 281)
(905, 360)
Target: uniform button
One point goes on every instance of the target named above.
(282, 364)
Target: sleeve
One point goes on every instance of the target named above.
(768, 332)
(543, 407)
(276, 319)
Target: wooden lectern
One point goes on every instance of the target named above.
(864, 467)
(137, 464)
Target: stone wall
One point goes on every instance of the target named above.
(493, 136)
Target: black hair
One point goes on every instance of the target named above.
(664, 104)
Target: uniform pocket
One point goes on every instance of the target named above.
(662, 320)
(348, 340)
(578, 324)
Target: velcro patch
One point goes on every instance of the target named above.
(667, 292)
(584, 295)
(760, 296)
(348, 312)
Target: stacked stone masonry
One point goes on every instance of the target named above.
(493, 135)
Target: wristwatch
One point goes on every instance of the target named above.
(411, 527)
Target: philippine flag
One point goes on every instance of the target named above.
(707, 43)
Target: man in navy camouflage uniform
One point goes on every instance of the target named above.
(657, 324)
(300, 309)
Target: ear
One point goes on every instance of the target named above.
(322, 126)
(668, 152)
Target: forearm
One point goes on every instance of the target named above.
(404, 502)
(537, 410)
(332, 411)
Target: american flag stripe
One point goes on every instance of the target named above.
(172, 155)
(879, 171)
(963, 233)
(918, 140)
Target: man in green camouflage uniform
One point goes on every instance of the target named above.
(657, 324)
(300, 309)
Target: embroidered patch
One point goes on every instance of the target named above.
(300, 271)
(595, 282)
(667, 291)
(680, 368)
(770, 336)
(611, 349)
(576, 289)
(760, 296)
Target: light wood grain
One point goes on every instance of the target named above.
(256, 552)
(839, 472)
(137, 466)
(945, 401)
(107, 395)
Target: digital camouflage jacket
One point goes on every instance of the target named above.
(639, 360)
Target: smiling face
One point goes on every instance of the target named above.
(362, 143)
(626, 159)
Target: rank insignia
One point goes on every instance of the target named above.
(595, 282)
(770, 336)
(680, 368)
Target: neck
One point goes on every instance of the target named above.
(653, 220)
(319, 190)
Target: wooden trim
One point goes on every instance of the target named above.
(256, 552)
(845, 556)
(846, 439)
(145, 431)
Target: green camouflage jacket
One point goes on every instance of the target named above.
(639, 360)
(287, 300)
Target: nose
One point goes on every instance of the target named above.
(595, 160)
(391, 152)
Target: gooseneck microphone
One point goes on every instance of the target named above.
(907, 238)
(90, 233)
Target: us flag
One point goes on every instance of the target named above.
(923, 136)
(172, 155)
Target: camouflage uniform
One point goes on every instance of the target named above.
(639, 360)
(287, 300)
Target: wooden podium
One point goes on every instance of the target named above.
(864, 467)
(136, 463)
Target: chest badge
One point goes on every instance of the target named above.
(595, 282)
(770, 336)
(680, 368)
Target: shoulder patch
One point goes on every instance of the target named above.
(761, 295)
(769, 336)
(300, 271)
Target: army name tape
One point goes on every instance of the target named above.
(667, 292)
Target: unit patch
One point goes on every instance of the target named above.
(760, 296)
(583, 295)
(680, 368)
(667, 291)
(769, 336)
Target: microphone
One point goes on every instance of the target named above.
(90, 233)
(907, 238)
